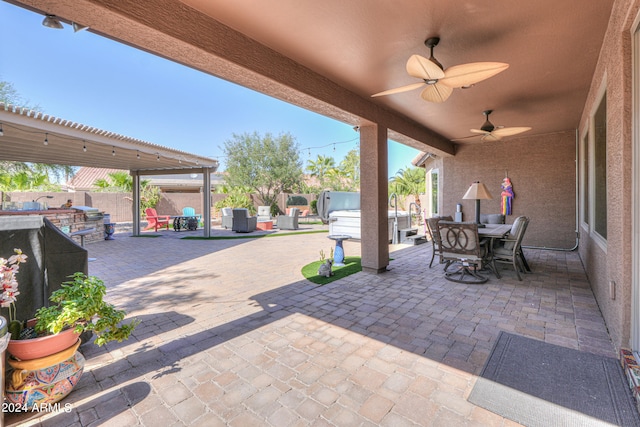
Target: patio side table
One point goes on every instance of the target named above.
(338, 253)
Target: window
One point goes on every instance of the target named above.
(600, 168)
(434, 192)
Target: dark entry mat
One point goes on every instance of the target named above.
(539, 384)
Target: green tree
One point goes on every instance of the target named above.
(268, 165)
(350, 169)
(320, 168)
(122, 182)
(408, 181)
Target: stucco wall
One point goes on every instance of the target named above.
(612, 261)
(542, 171)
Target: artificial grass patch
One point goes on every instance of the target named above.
(352, 265)
(252, 236)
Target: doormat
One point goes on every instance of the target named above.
(540, 384)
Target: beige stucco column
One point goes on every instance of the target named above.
(373, 198)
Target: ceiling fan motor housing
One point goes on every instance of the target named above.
(487, 125)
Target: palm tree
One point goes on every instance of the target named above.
(350, 169)
(408, 181)
(320, 167)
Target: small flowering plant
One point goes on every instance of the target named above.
(9, 268)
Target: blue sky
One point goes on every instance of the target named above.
(95, 81)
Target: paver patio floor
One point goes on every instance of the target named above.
(232, 334)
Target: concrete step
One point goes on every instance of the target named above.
(416, 239)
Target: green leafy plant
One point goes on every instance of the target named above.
(297, 201)
(80, 304)
(236, 200)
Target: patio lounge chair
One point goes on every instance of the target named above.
(509, 249)
(189, 211)
(460, 243)
(289, 221)
(227, 218)
(242, 222)
(154, 220)
(264, 213)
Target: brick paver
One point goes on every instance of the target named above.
(231, 334)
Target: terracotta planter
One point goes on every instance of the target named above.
(36, 348)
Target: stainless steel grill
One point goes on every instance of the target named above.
(92, 214)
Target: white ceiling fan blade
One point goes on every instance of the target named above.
(465, 138)
(483, 132)
(491, 137)
(468, 74)
(436, 93)
(421, 68)
(510, 131)
(399, 89)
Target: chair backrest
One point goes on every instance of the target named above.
(517, 232)
(240, 214)
(227, 212)
(491, 218)
(459, 240)
(151, 212)
(188, 211)
(294, 212)
(432, 226)
(264, 211)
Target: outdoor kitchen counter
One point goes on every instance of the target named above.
(69, 221)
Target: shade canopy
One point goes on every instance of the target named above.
(477, 191)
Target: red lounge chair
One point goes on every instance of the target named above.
(156, 220)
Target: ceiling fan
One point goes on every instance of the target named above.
(490, 132)
(440, 82)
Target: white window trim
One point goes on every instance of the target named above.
(584, 178)
(597, 237)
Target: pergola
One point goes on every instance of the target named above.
(30, 136)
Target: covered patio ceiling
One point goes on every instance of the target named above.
(331, 56)
(74, 144)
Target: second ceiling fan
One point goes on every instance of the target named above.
(440, 82)
(490, 132)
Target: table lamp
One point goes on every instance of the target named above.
(477, 192)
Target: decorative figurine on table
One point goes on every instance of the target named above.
(507, 196)
(325, 269)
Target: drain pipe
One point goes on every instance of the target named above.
(577, 192)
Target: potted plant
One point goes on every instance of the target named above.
(77, 307)
(45, 364)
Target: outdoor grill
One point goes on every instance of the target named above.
(92, 214)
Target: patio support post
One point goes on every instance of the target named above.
(206, 201)
(373, 198)
(135, 208)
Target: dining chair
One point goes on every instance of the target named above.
(509, 249)
(460, 243)
(432, 228)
